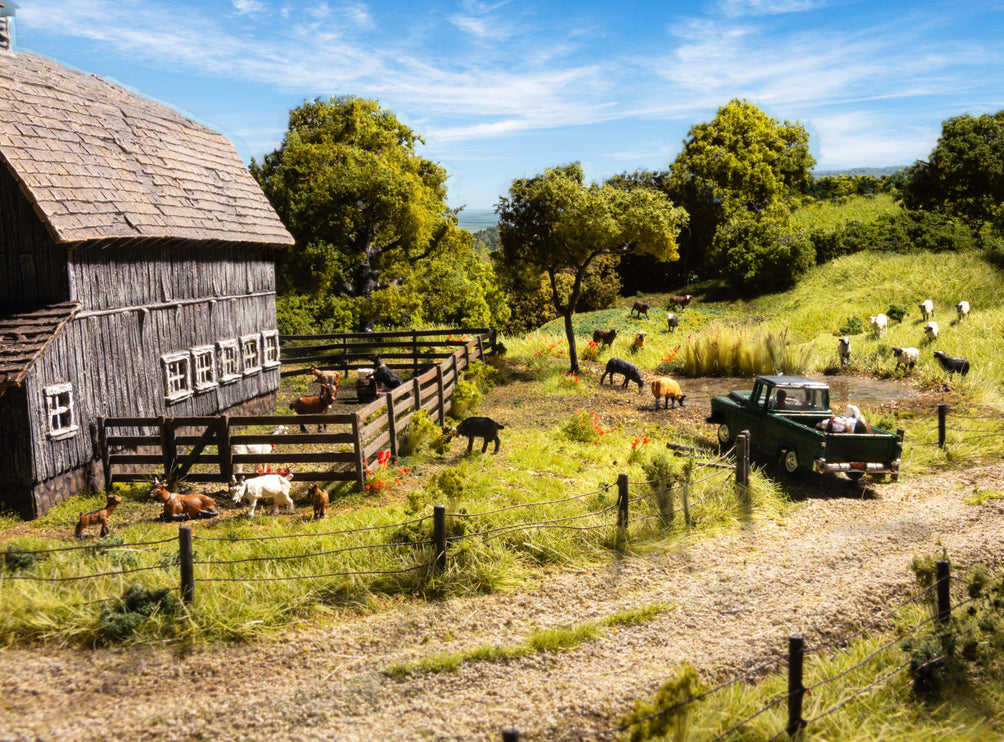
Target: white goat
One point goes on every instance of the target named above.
(274, 487)
(927, 308)
(246, 449)
(879, 324)
(906, 357)
(844, 350)
(963, 309)
(931, 330)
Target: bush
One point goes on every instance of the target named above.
(584, 427)
(896, 312)
(133, 609)
(762, 252)
(853, 326)
(423, 432)
(466, 398)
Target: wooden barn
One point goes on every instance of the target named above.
(137, 275)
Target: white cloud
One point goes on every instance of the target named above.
(248, 7)
(735, 8)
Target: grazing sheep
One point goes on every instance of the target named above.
(620, 366)
(931, 330)
(679, 302)
(639, 342)
(247, 449)
(479, 427)
(880, 323)
(844, 350)
(641, 307)
(331, 378)
(383, 376)
(319, 499)
(963, 309)
(906, 357)
(182, 507)
(604, 337)
(274, 487)
(98, 516)
(314, 405)
(927, 309)
(668, 388)
(672, 321)
(952, 365)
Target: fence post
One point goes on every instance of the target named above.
(392, 424)
(467, 355)
(414, 352)
(622, 501)
(357, 426)
(417, 390)
(106, 464)
(796, 650)
(441, 392)
(743, 468)
(686, 497)
(187, 565)
(223, 447)
(942, 413)
(168, 446)
(510, 735)
(944, 596)
(481, 348)
(439, 535)
(493, 337)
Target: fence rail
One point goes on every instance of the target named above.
(136, 449)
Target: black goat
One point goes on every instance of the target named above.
(383, 376)
(480, 427)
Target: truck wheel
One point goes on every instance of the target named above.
(789, 461)
(725, 436)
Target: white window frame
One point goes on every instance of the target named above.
(270, 348)
(228, 376)
(251, 359)
(203, 373)
(177, 376)
(56, 407)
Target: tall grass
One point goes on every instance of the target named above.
(832, 215)
(723, 350)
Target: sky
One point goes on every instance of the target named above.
(503, 89)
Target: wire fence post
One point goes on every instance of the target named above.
(942, 414)
(796, 656)
(439, 535)
(689, 474)
(510, 735)
(743, 468)
(622, 501)
(187, 564)
(944, 596)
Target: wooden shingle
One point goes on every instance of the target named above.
(23, 336)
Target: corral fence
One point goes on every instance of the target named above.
(135, 449)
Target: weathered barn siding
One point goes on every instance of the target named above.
(32, 266)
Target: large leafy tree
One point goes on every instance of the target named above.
(741, 164)
(361, 204)
(964, 175)
(555, 224)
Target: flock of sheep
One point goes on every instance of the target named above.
(909, 356)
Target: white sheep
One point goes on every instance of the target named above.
(274, 487)
(906, 357)
(927, 308)
(844, 350)
(879, 324)
(963, 309)
(246, 449)
(931, 330)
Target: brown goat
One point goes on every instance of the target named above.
(319, 499)
(98, 516)
(182, 507)
(331, 378)
(641, 307)
(314, 405)
(679, 301)
(604, 337)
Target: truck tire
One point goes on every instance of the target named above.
(789, 461)
(726, 438)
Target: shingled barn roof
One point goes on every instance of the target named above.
(23, 337)
(99, 162)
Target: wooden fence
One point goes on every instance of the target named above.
(137, 449)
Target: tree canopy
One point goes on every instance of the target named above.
(361, 204)
(554, 224)
(964, 175)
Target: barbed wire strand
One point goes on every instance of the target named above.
(319, 576)
(531, 504)
(272, 558)
(534, 524)
(86, 577)
(173, 539)
(860, 692)
(311, 535)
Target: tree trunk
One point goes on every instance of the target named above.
(573, 356)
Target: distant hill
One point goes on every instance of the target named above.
(474, 220)
(878, 172)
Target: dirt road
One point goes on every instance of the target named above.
(836, 564)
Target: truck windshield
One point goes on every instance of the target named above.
(797, 399)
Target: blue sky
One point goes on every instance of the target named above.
(501, 90)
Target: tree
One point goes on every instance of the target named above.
(964, 175)
(762, 250)
(741, 161)
(554, 223)
(361, 204)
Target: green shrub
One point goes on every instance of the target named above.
(423, 432)
(466, 398)
(896, 312)
(12, 561)
(120, 620)
(853, 326)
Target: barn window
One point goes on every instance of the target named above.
(251, 353)
(177, 376)
(230, 369)
(62, 421)
(270, 348)
(204, 366)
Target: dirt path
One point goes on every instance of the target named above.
(835, 564)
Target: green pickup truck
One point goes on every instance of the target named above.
(781, 414)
